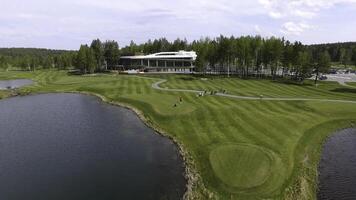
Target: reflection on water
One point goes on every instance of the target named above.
(337, 170)
(73, 147)
(11, 84)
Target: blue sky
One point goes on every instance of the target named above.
(65, 24)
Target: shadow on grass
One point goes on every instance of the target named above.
(78, 72)
(187, 78)
(74, 73)
(292, 82)
(344, 90)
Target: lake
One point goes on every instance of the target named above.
(337, 169)
(11, 84)
(73, 147)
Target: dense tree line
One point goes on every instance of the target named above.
(344, 53)
(31, 58)
(98, 56)
(158, 45)
(244, 56)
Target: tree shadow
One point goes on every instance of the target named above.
(188, 78)
(344, 90)
(74, 73)
(292, 82)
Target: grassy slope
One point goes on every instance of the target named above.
(242, 149)
(341, 66)
(266, 88)
(352, 84)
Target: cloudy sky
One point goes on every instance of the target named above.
(65, 24)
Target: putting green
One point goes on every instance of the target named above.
(241, 166)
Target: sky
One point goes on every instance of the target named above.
(65, 24)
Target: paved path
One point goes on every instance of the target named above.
(342, 79)
(156, 85)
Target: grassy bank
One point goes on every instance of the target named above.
(267, 88)
(352, 84)
(241, 149)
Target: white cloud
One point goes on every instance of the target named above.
(68, 23)
(305, 14)
(292, 28)
(275, 14)
(299, 8)
(299, 14)
(257, 29)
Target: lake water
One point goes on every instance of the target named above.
(75, 147)
(11, 84)
(338, 167)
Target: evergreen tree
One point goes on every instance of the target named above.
(111, 53)
(91, 62)
(98, 50)
(81, 59)
(304, 61)
(323, 64)
(353, 57)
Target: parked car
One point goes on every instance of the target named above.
(323, 77)
(333, 71)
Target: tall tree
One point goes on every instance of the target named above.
(202, 49)
(91, 62)
(179, 44)
(2, 62)
(277, 46)
(256, 47)
(98, 51)
(323, 64)
(81, 59)
(86, 61)
(304, 62)
(353, 58)
(287, 57)
(111, 53)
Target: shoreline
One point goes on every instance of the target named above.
(195, 188)
(327, 147)
(305, 176)
(190, 174)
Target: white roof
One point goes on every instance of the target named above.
(166, 55)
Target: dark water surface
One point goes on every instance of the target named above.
(11, 84)
(75, 147)
(337, 170)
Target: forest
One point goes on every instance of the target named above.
(34, 58)
(245, 56)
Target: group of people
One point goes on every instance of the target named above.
(213, 92)
(180, 101)
(201, 94)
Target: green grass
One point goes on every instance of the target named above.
(255, 87)
(241, 149)
(241, 158)
(351, 83)
(339, 65)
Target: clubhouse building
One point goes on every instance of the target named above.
(164, 62)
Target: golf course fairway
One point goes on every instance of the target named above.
(266, 146)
